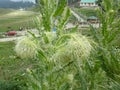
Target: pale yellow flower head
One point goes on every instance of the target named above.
(77, 47)
(26, 48)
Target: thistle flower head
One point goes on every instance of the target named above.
(26, 48)
(77, 48)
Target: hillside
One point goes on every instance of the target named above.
(15, 5)
(5, 11)
(11, 19)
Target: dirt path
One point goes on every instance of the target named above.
(9, 39)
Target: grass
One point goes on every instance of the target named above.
(10, 64)
(12, 68)
(6, 55)
(86, 11)
(6, 49)
(14, 19)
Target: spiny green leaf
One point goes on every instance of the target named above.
(60, 8)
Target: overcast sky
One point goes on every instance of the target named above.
(24, 0)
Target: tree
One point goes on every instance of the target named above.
(98, 2)
(36, 1)
(72, 1)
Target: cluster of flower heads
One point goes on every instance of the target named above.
(76, 47)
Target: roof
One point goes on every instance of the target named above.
(92, 17)
(88, 1)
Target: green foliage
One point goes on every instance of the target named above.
(8, 86)
(106, 36)
(67, 60)
(52, 15)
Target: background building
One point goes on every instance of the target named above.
(88, 3)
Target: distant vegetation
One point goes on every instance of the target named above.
(11, 19)
(15, 5)
(86, 11)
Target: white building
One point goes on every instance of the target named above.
(88, 3)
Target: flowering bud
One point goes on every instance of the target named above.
(26, 48)
(97, 8)
(111, 11)
(51, 35)
(28, 70)
(70, 78)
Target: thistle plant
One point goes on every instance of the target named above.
(59, 50)
(67, 60)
